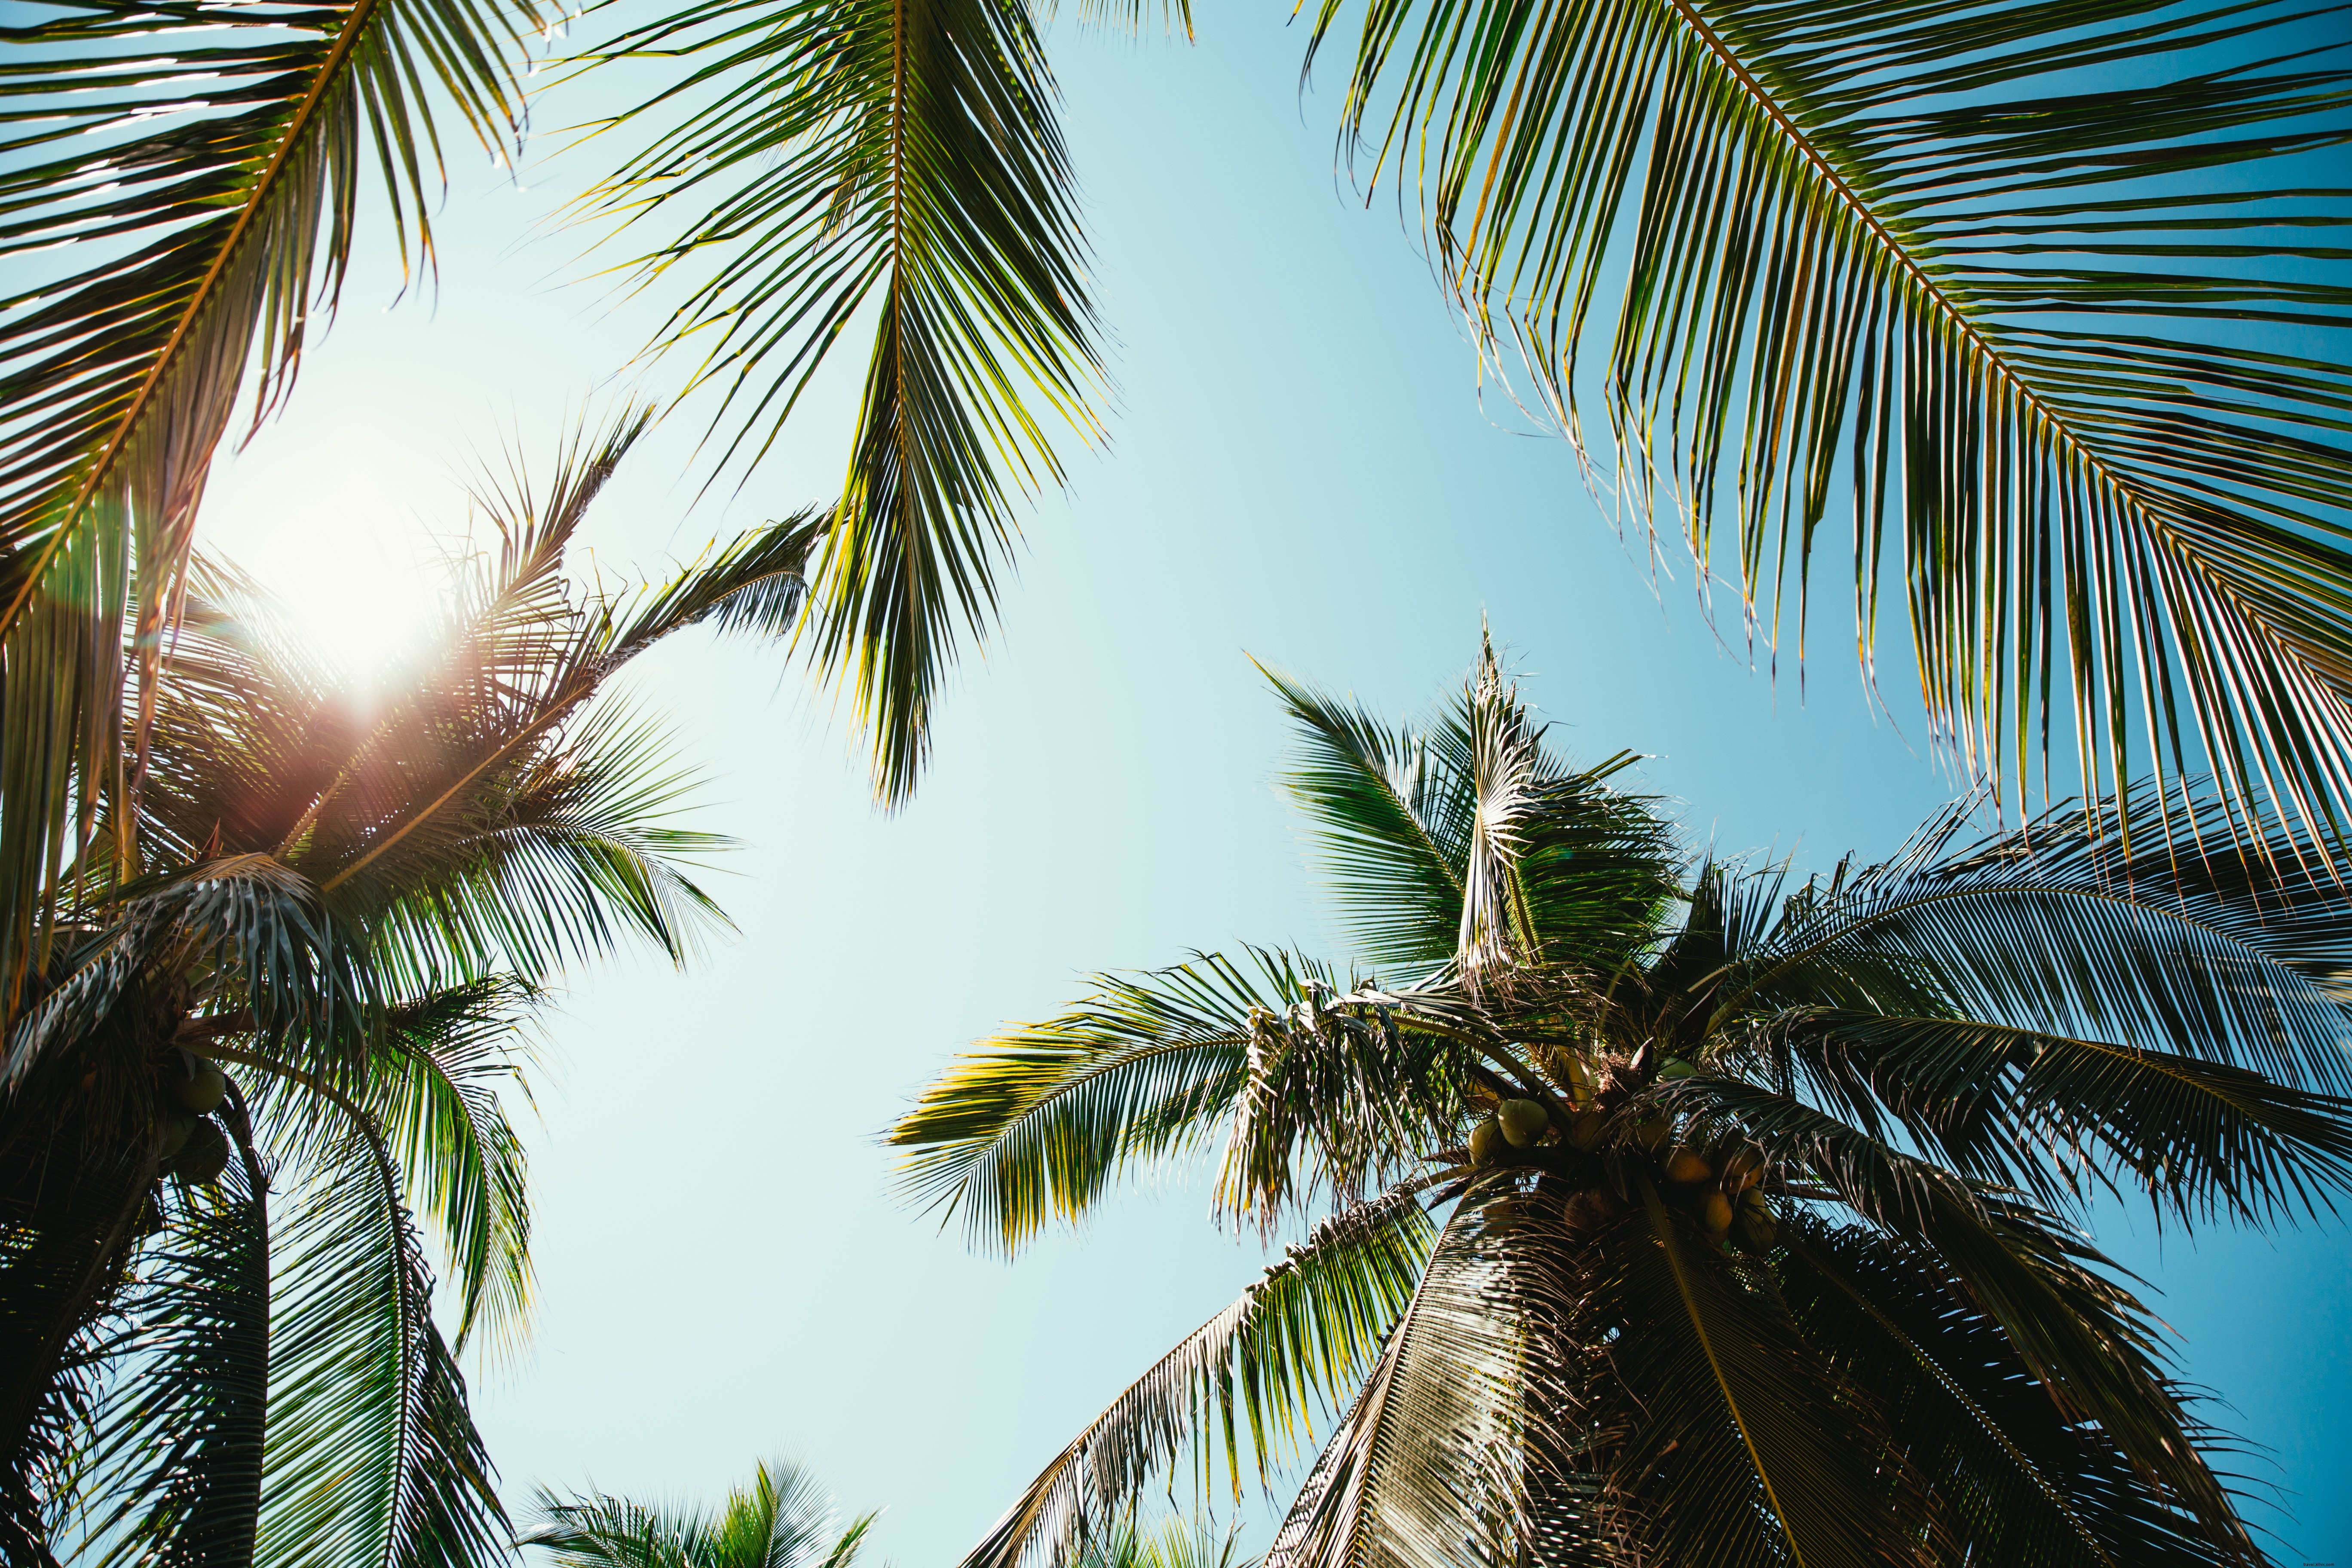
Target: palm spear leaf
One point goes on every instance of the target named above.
(1929, 254)
(1298, 1338)
(178, 1458)
(373, 1456)
(2013, 1480)
(215, 211)
(835, 155)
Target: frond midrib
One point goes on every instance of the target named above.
(355, 23)
(2049, 416)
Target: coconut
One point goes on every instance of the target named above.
(1715, 1213)
(205, 1156)
(1686, 1166)
(1752, 1201)
(177, 1125)
(1651, 1132)
(1676, 1067)
(1584, 1133)
(1522, 1120)
(1485, 1140)
(1592, 1209)
(201, 1090)
(1757, 1232)
(1740, 1171)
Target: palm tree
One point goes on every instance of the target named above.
(784, 1518)
(1663, 1209)
(266, 1032)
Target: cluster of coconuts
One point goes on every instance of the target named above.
(195, 1148)
(1721, 1193)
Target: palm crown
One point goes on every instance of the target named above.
(1670, 1210)
(346, 898)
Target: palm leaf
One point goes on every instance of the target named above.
(179, 1452)
(2012, 1479)
(835, 155)
(1932, 254)
(200, 165)
(1300, 1336)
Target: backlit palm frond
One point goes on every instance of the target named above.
(835, 156)
(783, 1518)
(445, 1060)
(182, 190)
(176, 1466)
(1424, 1469)
(1297, 1340)
(2012, 1478)
(374, 1458)
(2042, 297)
(2232, 946)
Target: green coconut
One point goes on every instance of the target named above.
(204, 1157)
(1486, 1142)
(177, 1125)
(1753, 1202)
(1522, 1121)
(1676, 1067)
(201, 1090)
(1651, 1132)
(1687, 1166)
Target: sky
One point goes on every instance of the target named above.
(1299, 470)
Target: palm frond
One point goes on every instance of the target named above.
(1297, 1339)
(2070, 346)
(2011, 1479)
(2227, 944)
(834, 156)
(783, 1518)
(374, 1458)
(437, 1089)
(177, 1462)
(1424, 1469)
(197, 167)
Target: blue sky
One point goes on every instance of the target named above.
(1300, 469)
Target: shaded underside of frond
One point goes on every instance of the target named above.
(2050, 300)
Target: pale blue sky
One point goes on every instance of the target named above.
(1300, 470)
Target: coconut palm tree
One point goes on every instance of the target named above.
(783, 1518)
(265, 1034)
(1657, 1208)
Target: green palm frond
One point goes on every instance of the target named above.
(1422, 1469)
(839, 155)
(2039, 296)
(1310, 1084)
(197, 167)
(2012, 1479)
(783, 1518)
(1570, 868)
(177, 1460)
(1296, 1340)
(438, 1085)
(374, 1458)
